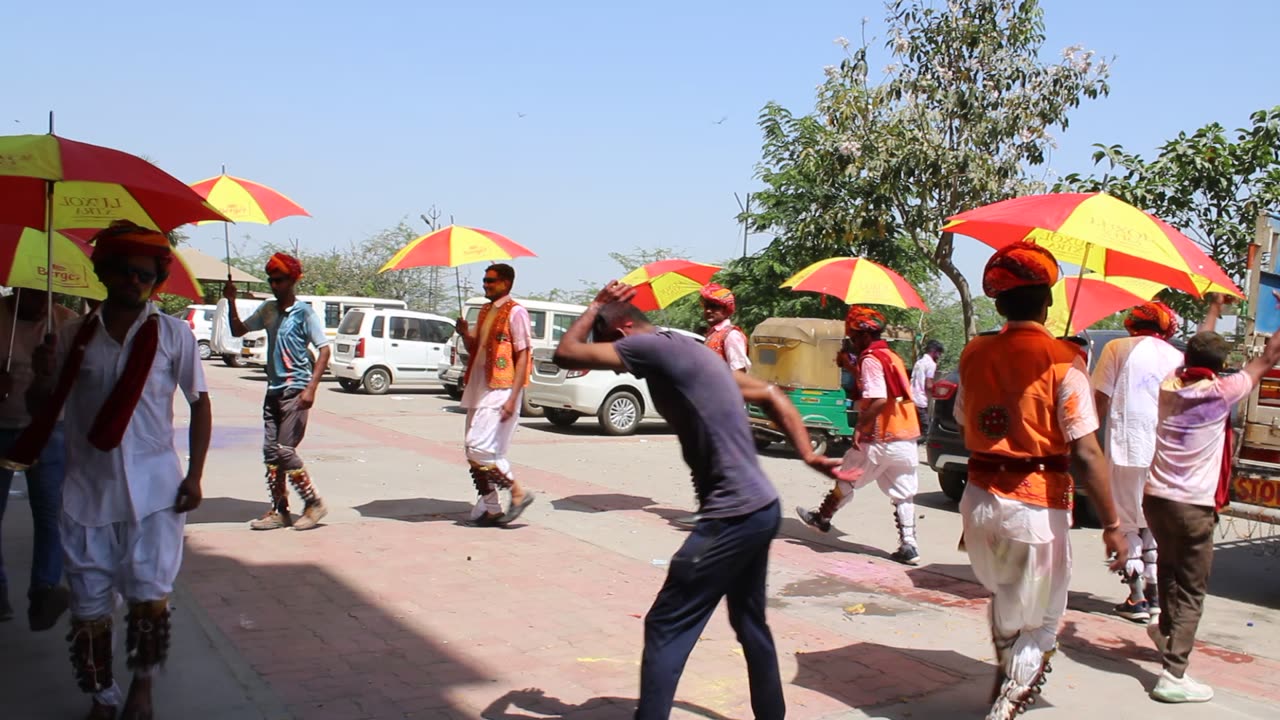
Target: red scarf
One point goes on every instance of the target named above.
(895, 381)
(113, 417)
(1221, 497)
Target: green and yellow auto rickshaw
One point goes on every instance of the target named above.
(799, 356)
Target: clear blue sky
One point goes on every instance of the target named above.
(369, 113)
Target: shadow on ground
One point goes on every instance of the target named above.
(227, 510)
(1120, 660)
(602, 502)
(415, 509)
(536, 701)
(797, 533)
(1248, 570)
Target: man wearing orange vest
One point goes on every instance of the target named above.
(497, 373)
(884, 442)
(727, 339)
(1027, 411)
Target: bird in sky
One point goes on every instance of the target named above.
(520, 114)
(721, 120)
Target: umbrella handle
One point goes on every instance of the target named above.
(48, 257)
(457, 275)
(1075, 297)
(13, 329)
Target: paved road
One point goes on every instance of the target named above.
(394, 609)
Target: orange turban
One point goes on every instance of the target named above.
(714, 294)
(1153, 318)
(282, 264)
(863, 319)
(1019, 264)
(125, 239)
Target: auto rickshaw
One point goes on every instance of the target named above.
(799, 356)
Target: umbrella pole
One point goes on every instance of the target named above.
(226, 239)
(457, 275)
(13, 329)
(48, 258)
(1075, 297)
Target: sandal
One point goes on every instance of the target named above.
(516, 510)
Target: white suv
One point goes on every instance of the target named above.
(376, 348)
(620, 401)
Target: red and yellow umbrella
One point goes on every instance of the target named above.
(453, 246)
(246, 201)
(1101, 234)
(856, 281)
(24, 263)
(660, 283)
(1088, 299)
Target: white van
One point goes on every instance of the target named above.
(376, 348)
(330, 308)
(221, 341)
(200, 319)
(548, 323)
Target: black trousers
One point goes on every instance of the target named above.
(722, 558)
(284, 423)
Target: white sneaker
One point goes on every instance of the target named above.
(1180, 690)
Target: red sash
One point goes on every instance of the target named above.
(895, 381)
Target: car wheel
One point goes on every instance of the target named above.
(529, 410)
(1083, 514)
(234, 361)
(377, 381)
(349, 385)
(454, 391)
(762, 443)
(953, 482)
(206, 352)
(561, 418)
(620, 413)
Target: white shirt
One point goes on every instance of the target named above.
(871, 379)
(1077, 417)
(923, 371)
(141, 476)
(1130, 371)
(735, 347)
(1191, 438)
(478, 394)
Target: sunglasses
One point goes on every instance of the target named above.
(490, 281)
(146, 277)
(278, 279)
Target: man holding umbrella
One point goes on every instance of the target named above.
(496, 376)
(1126, 389)
(725, 338)
(884, 442)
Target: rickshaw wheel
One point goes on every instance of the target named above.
(818, 443)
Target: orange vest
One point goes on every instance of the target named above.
(499, 361)
(898, 420)
(717, 338)
(1010, 383)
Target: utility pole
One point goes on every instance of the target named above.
(745, 207)
(432, 219)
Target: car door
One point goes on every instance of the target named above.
(407, 349)
(438, 335)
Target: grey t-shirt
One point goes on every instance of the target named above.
(694, 390)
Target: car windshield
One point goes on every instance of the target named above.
(351, 323)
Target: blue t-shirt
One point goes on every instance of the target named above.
(694, 390)
(289, 364)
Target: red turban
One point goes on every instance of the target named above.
(125, 239)
(282, 264)
(1020, 264)
(1153, 318)
(863, 319)
(714, 294)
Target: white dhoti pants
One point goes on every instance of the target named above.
(891, 466)
(140, 561)
(488, 439)
(1127, 488)
(1022, 555)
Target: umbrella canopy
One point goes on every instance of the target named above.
(1088, 299)
(660, 283)
(453, 246)
(1099, 233)
(856, 281)
(246, 201)
(91, 187)
(24, 263)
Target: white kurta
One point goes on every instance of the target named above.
(119, 529)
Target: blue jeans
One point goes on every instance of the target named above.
(722, 558)
(44, 492)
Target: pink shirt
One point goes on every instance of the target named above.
(1190, 437)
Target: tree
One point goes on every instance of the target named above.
(1207, 184)
(966, 107)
